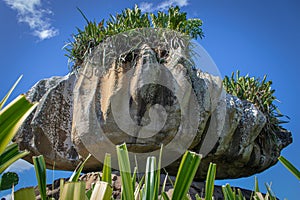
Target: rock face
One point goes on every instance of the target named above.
(182, 108)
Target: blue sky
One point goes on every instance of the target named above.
(256, 37)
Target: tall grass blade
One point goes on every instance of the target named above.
(3, 101)
(187, 170)
(228, 193)
(106, 174)
(270, 193)
(290, 167)
(40, 170)
(76, 174)
(210, 181)
(125, 171)
(165, 196)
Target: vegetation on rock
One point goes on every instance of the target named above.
(260, 93)
(94, 33)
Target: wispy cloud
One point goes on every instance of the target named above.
(32, 13)
(164, 5)
(19, 166)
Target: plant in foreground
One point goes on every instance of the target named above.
(290, 167)
(148, 187)
(11, 117)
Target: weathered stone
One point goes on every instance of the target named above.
(47, 130)
(92, 112)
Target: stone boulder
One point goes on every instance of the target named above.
(146, 100)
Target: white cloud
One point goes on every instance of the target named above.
(149, 7)
(19, 166)
(32, 13)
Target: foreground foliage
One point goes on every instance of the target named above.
(146, 188)
(11, 117)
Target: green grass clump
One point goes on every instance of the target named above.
(94, 32)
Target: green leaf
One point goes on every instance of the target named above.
(256, 185)
(61, 186)
(228, 193)
(165, 196)
(73, 191)
(270, 193)
(164, 185)
(40, 170)
(2, 102)
(150, 180)
(10, 155)
(8, 180)
(187, 170)
(290, 167)
(125, 171)
(101, 191)
(25, 194)
(76, 174)
(11, 118)
(106, 175)
(210, 181)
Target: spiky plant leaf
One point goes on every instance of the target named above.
(76, 174)
(185, 175)
(40, 170)
(125, 171)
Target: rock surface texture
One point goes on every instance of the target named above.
(73, 109)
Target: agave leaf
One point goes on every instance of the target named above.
(164, 185)
(74, 191)
(2, 102)
(270, 192)
(290, 167)
(40, 170)
(76, 174)
(106, 175)
(187, 170)
(101, 191)
(11, 118)
(165, 196)
(210, 179)
(138, 189)
(228, 193)
(150, 179)
(24, 194)
(61, 186)
(125, 171)
(10, 155)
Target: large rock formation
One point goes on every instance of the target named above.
(146, 102)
